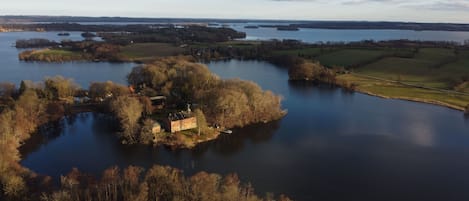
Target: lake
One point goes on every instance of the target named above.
(347, 35)
(332, 145)
(13, 70)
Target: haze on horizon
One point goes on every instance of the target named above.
(453, 11)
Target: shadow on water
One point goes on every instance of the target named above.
(306, 88)
(45, 134)
(101, 124)
(227, 145)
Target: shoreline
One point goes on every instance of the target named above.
(416, 100)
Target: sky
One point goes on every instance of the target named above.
(456, 11)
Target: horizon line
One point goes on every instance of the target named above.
(240, 19)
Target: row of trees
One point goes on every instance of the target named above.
(227, 103)
(17, 121)
(158, 183)
(35, 43)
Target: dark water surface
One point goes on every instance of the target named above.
(332, 145)
(13, 70)
(347, 35)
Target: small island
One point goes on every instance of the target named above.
(251, 27)
(182, 104)
(63, 34)
(287, 28)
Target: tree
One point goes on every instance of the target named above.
(29, 113)
(128, 110)
(201, 121)
(7, 89)
(14, 187)
(103, 90)
(146, 133)
(59, 88)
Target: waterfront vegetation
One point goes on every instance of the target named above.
(432, 72)
(33, 105)
(225, 103)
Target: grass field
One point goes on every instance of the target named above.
(308, 52)
(60, 52)
(149, 51)
(439, 68)
(393, 90)
(351, 57)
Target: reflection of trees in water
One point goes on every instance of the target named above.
(233, 143)
(103, 123)
(45, 134)
(306, 88)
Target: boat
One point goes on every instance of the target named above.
(227, 131)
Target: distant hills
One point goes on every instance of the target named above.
(268, 23)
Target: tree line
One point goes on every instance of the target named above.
(157, 183)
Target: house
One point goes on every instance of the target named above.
(180, 121)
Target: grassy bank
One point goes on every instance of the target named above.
(431, 75)
(149, 51)
(53, 55)
(390, 89)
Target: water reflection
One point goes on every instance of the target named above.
(45, 134)
(332, 145)
(227, 145)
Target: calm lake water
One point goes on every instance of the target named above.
(333, 35)
(13, 70)
(332, 145)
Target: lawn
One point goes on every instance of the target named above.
(394, 90)
(144, 51)
(58, 52)
(431, 67)
(351, 57)
(307, 52)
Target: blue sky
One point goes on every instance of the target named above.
(373, 10)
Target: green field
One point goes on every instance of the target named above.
(393, 90)
(439, 68)
(60, 52)
(149, 51)
(351, 57)
(307, 52)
